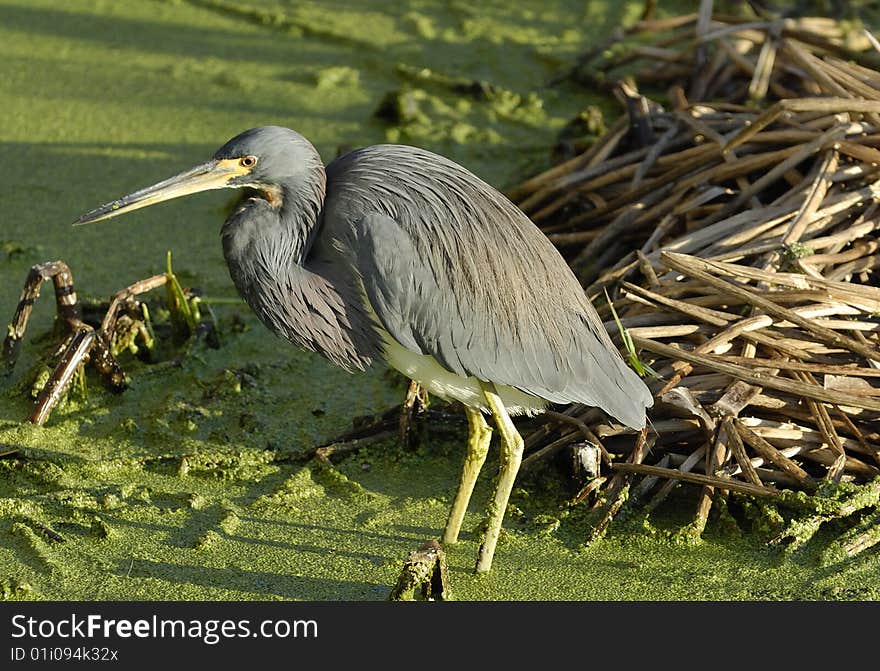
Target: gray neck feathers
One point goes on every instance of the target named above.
(266, 248)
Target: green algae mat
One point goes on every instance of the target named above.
(196, 483)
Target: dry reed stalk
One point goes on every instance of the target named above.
(741, 228)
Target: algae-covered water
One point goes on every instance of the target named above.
(192, 484)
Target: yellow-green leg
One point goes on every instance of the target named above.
(479, 437)
(511, 456)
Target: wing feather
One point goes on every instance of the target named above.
(456, 271)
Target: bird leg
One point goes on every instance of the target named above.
(511, 457)
(479, 437)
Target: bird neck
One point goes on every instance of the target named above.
(266, 245)
(300, 211)
(274, 229)
(266, 240)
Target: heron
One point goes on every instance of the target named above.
(394, 253)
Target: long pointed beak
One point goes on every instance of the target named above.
(211, 175)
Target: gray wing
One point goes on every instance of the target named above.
(455, 271)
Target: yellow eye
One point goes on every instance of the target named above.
(248, 161)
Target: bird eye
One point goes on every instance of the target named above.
(248, 161)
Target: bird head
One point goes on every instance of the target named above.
(261, 158)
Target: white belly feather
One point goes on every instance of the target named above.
(445, 384)
(438, 381)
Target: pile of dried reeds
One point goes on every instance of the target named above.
(751, 201)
